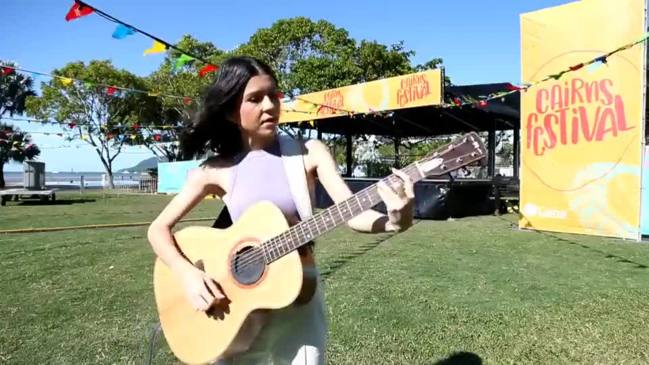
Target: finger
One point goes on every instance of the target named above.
(198, 303)
(207, 296)
(408, 185)
(389, 197)
(211, 285)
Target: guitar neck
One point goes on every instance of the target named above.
(330, 218)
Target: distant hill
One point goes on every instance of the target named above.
(143, 166)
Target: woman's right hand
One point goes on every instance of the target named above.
(201, 290)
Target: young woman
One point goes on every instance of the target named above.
(238, 121)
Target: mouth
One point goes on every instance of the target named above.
(269, 121)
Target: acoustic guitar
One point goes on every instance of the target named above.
(256, 262)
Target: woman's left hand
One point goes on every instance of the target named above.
(399, 200)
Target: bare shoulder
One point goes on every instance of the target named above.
(317, 149)
(210, 176)
(317, 154)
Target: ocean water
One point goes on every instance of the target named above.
(91, 179)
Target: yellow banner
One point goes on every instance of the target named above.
(407, 91)
(582, 135)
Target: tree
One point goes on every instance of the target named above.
(433, 64)
(376, 61)
(93, 110)
(183, 81)
(15, 88)
(14, 146)
(306, 55)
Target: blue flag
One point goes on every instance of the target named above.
(122, 31)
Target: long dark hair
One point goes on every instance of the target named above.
(211, 129)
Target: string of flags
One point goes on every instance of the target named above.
(111, 90)
(467, 100)
(134, 138)
(135, 133)
(80, 9)
(122, 30)
(135, 126)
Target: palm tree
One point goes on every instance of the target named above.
(15, 88)
(14, 146)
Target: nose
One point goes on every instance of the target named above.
(269, 103)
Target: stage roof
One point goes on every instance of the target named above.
(432, 120)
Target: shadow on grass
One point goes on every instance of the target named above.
(56, 202)
(460, 358)
(607, 255)
(347, 257)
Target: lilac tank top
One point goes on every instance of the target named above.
(259, 175)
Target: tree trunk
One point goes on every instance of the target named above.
(397, 156)
(111, 182)
(2, 175)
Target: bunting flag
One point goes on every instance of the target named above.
(122, 31)
(6, 71)
(182, 60)
(66, 81)
(77, 11)
(157, 47)
(207, 69)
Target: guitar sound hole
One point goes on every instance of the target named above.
(248, 265)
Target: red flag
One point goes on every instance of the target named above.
(7, 71)
(110, 90)
(207, 69)
(576, 67)
(77, 11)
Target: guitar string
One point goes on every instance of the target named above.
(258, 253)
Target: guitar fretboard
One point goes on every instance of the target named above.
(330, 218)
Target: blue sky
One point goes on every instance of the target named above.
(479, 41)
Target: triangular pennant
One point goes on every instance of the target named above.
(77, 11)
(66, 81)
(122, 31)
(6, 70)
(157, 47)
(207, 69)
(182, 60)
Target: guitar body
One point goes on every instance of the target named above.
(198, 337)
(256, 280)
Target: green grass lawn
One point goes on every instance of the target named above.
(475, 286)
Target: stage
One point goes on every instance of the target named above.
(434, 198)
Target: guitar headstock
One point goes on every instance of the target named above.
(463, 151)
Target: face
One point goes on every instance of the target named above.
(258, 114)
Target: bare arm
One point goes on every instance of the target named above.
(160, 231)
(369, 221)
(201, 290)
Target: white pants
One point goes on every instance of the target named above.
(295, 335)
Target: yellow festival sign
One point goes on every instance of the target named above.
(407, 91)
(582, 134)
